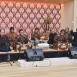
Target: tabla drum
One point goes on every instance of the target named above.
(60, 46)
(22, 48)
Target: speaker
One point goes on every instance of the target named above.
(73, 52)
(34, 55)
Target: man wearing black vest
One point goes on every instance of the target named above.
(74, 41)
(51, 37)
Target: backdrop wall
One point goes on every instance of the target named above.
(67, 14)
(28, 15)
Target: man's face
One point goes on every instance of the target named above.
(66, 29)
(21, 32)
(62, 33)
(53, 31)
(2, 32)
(12, 31)
(36, 30)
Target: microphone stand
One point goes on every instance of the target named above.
(35, 48)
(8, 55)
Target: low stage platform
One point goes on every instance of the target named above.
(48, 53)
(47, 62)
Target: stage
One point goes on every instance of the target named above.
(48, 53)
(61, 61)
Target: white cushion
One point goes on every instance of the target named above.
(43, 45)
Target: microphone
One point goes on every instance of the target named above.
(34, 52)
(34, 42)
(6, 42)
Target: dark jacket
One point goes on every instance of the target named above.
(4, 43)
(51, 38)
(75, 35)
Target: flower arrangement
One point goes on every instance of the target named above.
(48, 20)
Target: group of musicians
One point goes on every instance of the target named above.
(65, 36)
(10, 40)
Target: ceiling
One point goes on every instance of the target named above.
(43, 1)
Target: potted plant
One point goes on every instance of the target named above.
(48, 20)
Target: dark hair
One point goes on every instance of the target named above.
(62, 30)
(36, 28)
(20, 30)
(11, 28)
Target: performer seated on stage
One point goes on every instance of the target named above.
(60, 38)
(74, 41)
(12, 37)
(4, 42)
(68, 34)
(22, 38)
(35, 36)
(51, 37)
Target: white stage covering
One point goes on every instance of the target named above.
(47, 62)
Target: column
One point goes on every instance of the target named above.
(75, 15)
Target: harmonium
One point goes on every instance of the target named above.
(60, 46)
(21, 48)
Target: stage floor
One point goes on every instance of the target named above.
(52, 71)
